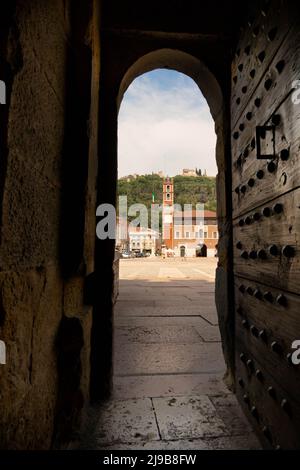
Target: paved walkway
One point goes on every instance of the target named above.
(168, 364)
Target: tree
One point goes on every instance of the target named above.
(187, 190)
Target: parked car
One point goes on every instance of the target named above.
(126, 254)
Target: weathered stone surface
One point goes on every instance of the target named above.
(164, 309)
(126, 421)
(168, 320)
(207, 331)
(35, 297)
(28, 381)
(159, 334)
(175, 287)
(169, 385)
(168, 358)
(229, 410)
(225, 319)
(158, 360)
(184, 418)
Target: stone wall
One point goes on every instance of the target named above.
(50, 61)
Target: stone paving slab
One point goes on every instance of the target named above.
(132, 309)
(168, 358)
(149, 293)
(157, 334)
(208, 298)
(151, 280)
(210, 316)
(188, 418)
(168, 364)
(172, 334)
(205, 299)
(169, 385)
(126, 421)
(183, 302)
(131, 320)
(138, 303)
(208, 332)
(199, 305)
(147, 299)
(166, 286)
(230, 412)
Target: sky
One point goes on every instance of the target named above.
(165, 124)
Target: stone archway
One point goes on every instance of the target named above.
(211, 90)
(193, 67)
(181, 62)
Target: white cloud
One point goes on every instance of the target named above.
(165, 124)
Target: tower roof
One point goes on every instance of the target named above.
(168, 180)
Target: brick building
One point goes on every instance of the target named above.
(195, 236)
(187, 233)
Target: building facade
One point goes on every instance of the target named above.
(187, 233)
(143, 240)
(195, 236)
(188, 172)
(122, 236)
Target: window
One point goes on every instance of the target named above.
(168, 188)
(205, 234)
(215, 234)
(196, 234)
(187, 234)
(177, 234)
(168, 196)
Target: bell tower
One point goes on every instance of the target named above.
(167, 213)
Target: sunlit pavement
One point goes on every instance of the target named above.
(168, 364)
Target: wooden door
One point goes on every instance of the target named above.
(265, 124)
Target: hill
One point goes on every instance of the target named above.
(187, 189)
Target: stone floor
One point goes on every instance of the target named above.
(168, 364)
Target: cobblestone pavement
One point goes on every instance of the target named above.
(168, 364)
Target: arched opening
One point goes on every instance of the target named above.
(103, 322)
(102, 331)
(201, 250)
(195, 69)
(181, 62)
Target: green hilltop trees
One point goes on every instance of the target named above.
(188, 190)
